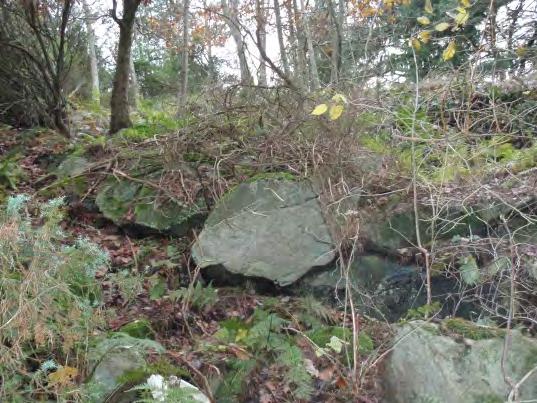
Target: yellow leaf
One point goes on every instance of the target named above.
(465, 3)
(335, 111)
(521, 51)
(462, 17)
(442, 26)
(423, 20)
(425, 36)
(63, 376)
(241, 335)
(428, 7)
(320, 109)
(339, 98)
(449, 51)
(415, 44)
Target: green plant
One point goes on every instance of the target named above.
(424, 311)
(197, 296)
(49, 300)
(10, 172)
(264, 337)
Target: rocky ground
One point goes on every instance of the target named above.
(231, 271)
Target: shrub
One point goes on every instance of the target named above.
(49, 302)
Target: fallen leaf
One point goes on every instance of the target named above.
(341, 383)
(310, 368)
(63, 376)
(326, 374)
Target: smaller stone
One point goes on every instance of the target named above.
(112, 361)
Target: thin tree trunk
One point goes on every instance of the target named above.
(134, 88)
(261, 17)
(315, 82)
(300, 40)
(183, 90)
(231, 11)
(94, 69)
(119, 117)
(335, 58)
(209, 42)
(60, 111)
(279, 30)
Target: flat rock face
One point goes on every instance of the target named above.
(426, 366)
(269, 228)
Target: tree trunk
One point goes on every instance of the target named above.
(134, 88)
(261, 18)
(183, 90)
(335, 58)
(94, 69)
(315, 82)
(231, 11)
(279, 30)
(60, 112)
(119, 103)
(301, 72)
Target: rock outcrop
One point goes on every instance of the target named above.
(458, 362)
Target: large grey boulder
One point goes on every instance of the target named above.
(435, 363)
(269, 228)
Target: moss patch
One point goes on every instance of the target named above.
(469, 330)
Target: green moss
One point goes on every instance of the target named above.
(133, 376)
(487, 399)
(140, 329)
(470, 330)
(194, 156)
(272, 175)
(162, 367)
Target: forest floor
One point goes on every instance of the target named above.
(145, 270)
(243, 343)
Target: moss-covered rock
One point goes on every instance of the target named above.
(444, 366)
(116, 366)
(128, 202)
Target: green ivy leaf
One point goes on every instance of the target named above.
(158, 290)
(469, 270)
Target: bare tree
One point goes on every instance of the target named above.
(230, 9)
(298, 39)
(279, 30)
(37, 61)
(134, 88)
(337, 32)
(261, 19)
(94, 69)
(183, 90)
(119, 117)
